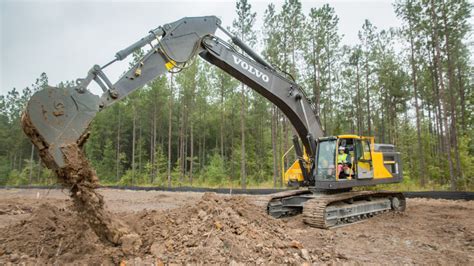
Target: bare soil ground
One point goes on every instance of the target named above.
(40, 227)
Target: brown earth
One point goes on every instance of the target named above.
(38, 226)
(80, 178)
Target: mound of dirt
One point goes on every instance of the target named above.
(215, 230)
(219, 230)
(52, 235)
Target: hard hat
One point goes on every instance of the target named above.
(341, 148)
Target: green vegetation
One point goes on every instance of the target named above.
(411, 86)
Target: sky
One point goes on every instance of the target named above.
(66, 38)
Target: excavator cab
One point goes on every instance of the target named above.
(359, 164)
(365, 163)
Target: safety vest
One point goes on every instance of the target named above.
(342, 158)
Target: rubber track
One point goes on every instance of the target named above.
(450, 195)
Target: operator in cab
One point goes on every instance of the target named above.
(343, 162)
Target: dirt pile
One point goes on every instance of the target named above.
(216, 229)
(78, 176)
(219, 230)
(51, 235)
(438, 232)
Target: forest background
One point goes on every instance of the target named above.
(411, 86)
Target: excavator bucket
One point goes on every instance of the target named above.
(57, 117)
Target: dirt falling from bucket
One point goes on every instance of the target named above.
(81, 179)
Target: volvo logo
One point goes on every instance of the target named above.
(250, 68)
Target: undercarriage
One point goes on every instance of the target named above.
(330, 209)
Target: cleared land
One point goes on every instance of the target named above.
(39, 226)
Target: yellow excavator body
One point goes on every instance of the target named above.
(382, 167)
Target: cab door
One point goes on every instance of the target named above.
(365, 167)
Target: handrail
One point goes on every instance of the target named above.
(283, 163)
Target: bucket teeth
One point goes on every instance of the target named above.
(55, 117)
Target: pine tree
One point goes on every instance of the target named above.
(242, 27)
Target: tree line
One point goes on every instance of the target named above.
(411, 86)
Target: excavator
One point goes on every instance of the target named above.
(60, 116)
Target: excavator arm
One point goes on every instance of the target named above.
(269, 83)
(56, 117)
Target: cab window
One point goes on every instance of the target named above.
(326, 159)
(363, 150)
(367, 155)
(359, 150)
